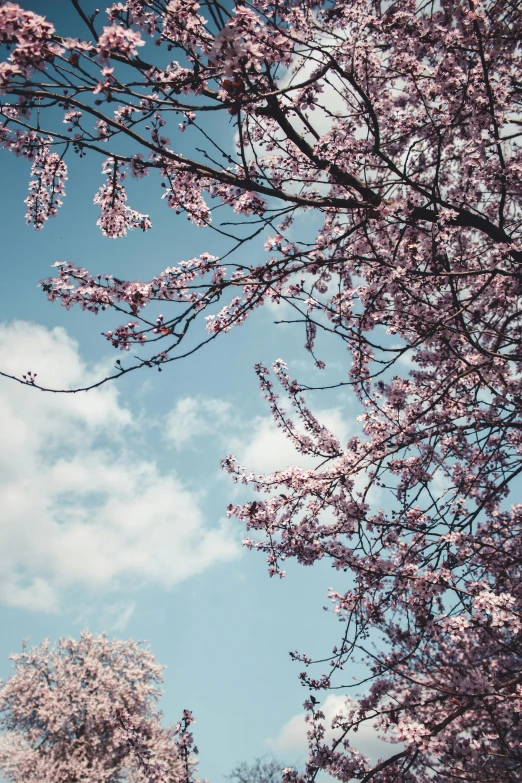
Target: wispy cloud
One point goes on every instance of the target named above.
(110, 616)
(193, 417)
(292, 740)
(257, 441)
(80, 509)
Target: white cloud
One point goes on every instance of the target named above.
(109, 616)
(264, 447)
(193, 417)
(329, 101)
(292, 739)
(80, 508)
(257, 442)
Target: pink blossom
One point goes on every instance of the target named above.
(118, 40)
(116, 217)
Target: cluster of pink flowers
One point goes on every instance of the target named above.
(120, 40)
(245, 43)
(152, 768)
(74, 285)
(116, 217)
(87, 709)
(48, 186)
(184, 194)
(183, 26)
(30, 37)
(140, 14)
(125, 336)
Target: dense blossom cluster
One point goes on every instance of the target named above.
(47, 187)
(116, 217)
(151, 764)
(73, 712)
(396, 128)
(119, 40)
(245, 42)
(30, 37)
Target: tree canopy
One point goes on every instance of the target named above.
(396, 126)
(87, 711)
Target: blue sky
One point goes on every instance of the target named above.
(113, 502)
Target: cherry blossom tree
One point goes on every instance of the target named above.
(87, 711)
(396, 127)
